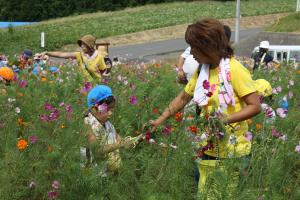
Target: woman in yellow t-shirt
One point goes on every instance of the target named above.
(91, 62)
(234, 93)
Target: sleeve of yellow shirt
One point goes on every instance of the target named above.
(78, 57)
(102, 65)
(190, 87)
(241, 80)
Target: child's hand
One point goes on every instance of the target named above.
(127, 143)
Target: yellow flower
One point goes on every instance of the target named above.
(22, 144)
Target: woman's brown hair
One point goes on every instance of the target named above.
(207, 38)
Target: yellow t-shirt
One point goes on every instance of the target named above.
(94, 65)
(263, 87)
(243, 85)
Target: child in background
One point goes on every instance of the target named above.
(103, 141)
(25, 60)
(264, 90)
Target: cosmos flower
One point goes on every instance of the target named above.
(133, 100)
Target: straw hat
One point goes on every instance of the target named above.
(89, 40)
(7, 73)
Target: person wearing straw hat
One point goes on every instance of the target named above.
(91, 62)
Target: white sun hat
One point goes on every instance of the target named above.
(264, 44)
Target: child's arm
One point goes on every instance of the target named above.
(252, 108)
(100, 149)
(60, 54)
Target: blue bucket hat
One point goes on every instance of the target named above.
(53, 69)
(97, 94)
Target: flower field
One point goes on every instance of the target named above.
(42, 130)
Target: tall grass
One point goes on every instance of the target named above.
(150, 171)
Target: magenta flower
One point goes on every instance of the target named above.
(133, 100)
(206, 84)
(52, 194)
(62, 104)
(269, 112)
(48, 106)
(87, 87)
(167, 130)
(69, 111)
(22, 84)
(33, 139)
(54, 115)
(275, 133)
(55, 185)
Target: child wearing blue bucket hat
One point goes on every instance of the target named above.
(103, 141)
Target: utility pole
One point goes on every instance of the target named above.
(237, 21)
(298, 6)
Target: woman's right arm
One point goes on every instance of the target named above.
(60, 54)
(177, 104)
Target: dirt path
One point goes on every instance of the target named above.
(178, 31)
(173, 32)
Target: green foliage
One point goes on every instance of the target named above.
(289, 23)
(150, 171)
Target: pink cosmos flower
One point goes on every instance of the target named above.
(133, 100)
(275, 133)
(281, 112)
(55, 185)
(279, 89)
(86, 88)
(48, 106)
(33, 139)
(291, 82)
(290, 94)
(52, 194)
(22, 84)
(248, 136)
(167, 130)
(69, 111)
(283, 137)
(274, 91)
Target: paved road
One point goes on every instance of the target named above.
(153, 50)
